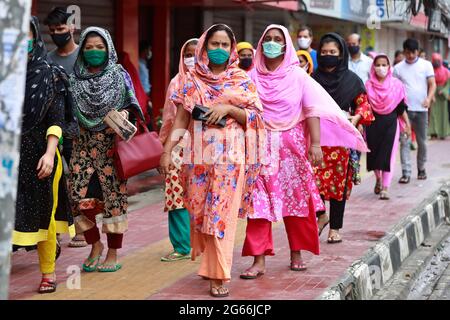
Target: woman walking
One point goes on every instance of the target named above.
(299, 117)
(179, 219)
(439, 124)
(40, 167)
(99, 85)
(335, 174)
(220, 169)
(387, 97)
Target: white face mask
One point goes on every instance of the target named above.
(189, 62)
(303, 43)
(382, 71)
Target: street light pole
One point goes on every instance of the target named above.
(14, 26)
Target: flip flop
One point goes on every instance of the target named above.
(175, 256)
(404, 179)
(333, 240)
(247, 275)
(91, 267)
(298, 266)
(384, 195)
(218, 294)
(109, 267)
(323, 227)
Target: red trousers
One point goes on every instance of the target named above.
(302, 234)
(93, 235)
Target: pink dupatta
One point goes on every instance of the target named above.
(289, 95)
(170, 109)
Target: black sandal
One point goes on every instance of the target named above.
(404, 179)
(422, 175)
(377, 188)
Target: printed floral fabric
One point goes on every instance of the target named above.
(286, 184)
(94, 152)
(336, 174)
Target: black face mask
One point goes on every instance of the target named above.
(436, 64)
(353, 49)
(328, 61)
(61, 39)
(245, 63)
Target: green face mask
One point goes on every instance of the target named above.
(30, 45)
(95, 58)
(218, 56)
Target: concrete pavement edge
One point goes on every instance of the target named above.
(366, 276)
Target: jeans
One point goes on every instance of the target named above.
(419, 123)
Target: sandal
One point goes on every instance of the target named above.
(324, 226)
(90, 267)
(377, 188)
(384, 195)
(77, 243)
(175, 256)
(298, 266)
(47, 286)
(404, 179)
(336, 238)
(248, 275)
(109, 267)
(219, 292)
(422, 175)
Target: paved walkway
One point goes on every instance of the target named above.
(145, 277)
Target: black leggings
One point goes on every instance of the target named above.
(337, 209)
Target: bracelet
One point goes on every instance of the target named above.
(316, 146)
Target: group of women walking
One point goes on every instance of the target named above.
(294, 120)
(274, 144)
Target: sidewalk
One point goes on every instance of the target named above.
(145, 277)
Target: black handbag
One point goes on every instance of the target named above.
(198, 113)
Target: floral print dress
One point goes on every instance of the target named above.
(334, 174)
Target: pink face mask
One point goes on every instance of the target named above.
(382, 71)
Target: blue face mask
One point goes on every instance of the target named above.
(218, 56)
(272, 49)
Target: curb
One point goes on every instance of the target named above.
(366, 276)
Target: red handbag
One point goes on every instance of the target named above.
(138, 155)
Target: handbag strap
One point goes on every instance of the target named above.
(139, 123)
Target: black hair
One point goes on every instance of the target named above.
(57, 16)
(397, 53)
(330, 39)
(93, 34)
(305, 27)
(220, 27)
(143, 45)
(411, 44)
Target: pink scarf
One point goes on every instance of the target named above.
(441, 73)
(384, 97)
(289, 95)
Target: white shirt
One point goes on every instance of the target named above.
(361, 67)
(415, 78)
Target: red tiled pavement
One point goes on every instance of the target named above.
(367, 219)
